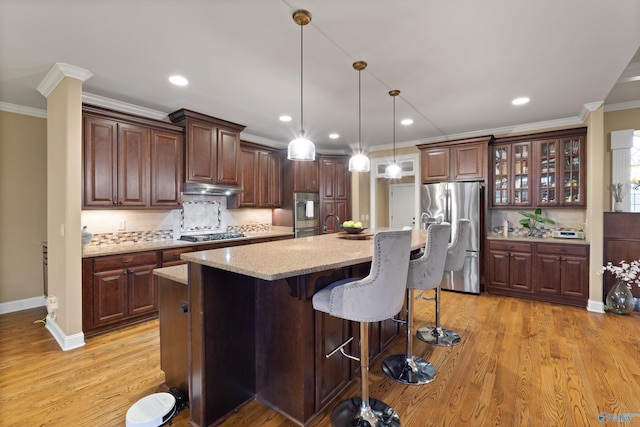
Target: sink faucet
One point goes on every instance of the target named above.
(324, 226)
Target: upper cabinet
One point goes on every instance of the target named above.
(546, 169)
(460, 160)
(305, 176)
(260, 176)
(126, 161)
(212, 148)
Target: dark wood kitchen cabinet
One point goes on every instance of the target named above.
(118, 290)
(460, 160)
(260, 177)
(562, 273)
(509, 267)
(130, 162)
(305, 176)
(553, 272)
(539, 170)
(212, 148)
(173, 316)
(166, 169)
(621, 243)
(335, 190)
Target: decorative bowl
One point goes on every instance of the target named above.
(354, 230)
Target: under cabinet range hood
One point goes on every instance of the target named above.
(210, 189)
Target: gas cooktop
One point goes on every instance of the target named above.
(213, 236)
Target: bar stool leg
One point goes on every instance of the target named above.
(364, 411)
(435, 334)
(407, 368)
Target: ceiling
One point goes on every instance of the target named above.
(458, 64)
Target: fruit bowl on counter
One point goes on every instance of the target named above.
(353, 227)
(353, 230)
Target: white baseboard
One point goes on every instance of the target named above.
(595, 306)
(66, 342)
(23, 304)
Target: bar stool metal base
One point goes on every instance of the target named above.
(409, 370)
(441, 337)
(351, 413)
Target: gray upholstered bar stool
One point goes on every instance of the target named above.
(376, 297)
(437, 335)
(425, 272)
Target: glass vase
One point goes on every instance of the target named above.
(620, 299)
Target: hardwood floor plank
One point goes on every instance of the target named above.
(520, 363)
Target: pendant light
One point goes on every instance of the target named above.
(359, 162)
(393, 171)
(301, 148)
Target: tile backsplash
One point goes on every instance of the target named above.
(573, 219)
(208, 214)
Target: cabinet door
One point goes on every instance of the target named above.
(249, 178)
(332, 373)
(228, 157)
(143, 290)
(548, 272)
(305, 177)
(519, 180)
(100, 180)
(133, 165)
(520, 271)
(166, 169)
(547, 171)
(499, 269)
(574, 281)
(467, 161)
(202, 154)
(434, 164)
(110, 296)
(269, 180)
(328, 178)
(573, 163)
(500, 175)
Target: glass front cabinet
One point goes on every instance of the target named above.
(546, 170)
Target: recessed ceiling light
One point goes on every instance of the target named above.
(178, 80)
(406, 122)
(285, 118)
(520, 101)
(334, 136)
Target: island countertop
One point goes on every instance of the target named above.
(294, 257)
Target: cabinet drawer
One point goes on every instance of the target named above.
(509, 246)
(561, 249)
(170, 255)
(124, 261)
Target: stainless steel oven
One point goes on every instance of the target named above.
(306, 214)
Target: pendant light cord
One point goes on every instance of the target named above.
(360, 111)
(394, 129)
(301, 80)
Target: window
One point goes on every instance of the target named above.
(634, 193)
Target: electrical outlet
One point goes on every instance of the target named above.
(122, 225)
(52, 303)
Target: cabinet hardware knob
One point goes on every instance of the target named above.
(184, 308)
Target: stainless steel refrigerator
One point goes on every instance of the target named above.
(448, 202)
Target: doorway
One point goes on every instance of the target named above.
(402, 204)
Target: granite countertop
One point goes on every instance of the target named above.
(177, 273)
(525, 239)
(123, 248)
(289, 258)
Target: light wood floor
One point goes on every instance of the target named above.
(520, 363)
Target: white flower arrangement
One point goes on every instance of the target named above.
(629, 272)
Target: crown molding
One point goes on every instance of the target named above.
(19, 109)
(58, 72)
(125, 107)
(631, 73)
(621, 106)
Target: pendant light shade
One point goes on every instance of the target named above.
(301, 148)
(393, 171)
(359, 162)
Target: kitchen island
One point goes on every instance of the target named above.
(254, 333)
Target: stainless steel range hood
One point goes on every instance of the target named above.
(210, 189)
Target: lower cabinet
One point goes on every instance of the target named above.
(118, 290)
(174, 332)
(553, 272)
